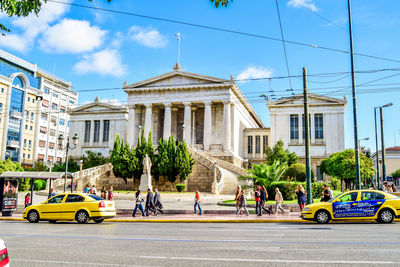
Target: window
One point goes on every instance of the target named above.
(30, 143)
(265, 142)
(96, 133)
(294, 127)
(303, 124)
(371, 196)
(29, 99)
(56, 199)
(26, 115)
(44, 116)
(42, 143)
(74, 198)
(51, 145)
(18, 82)
(45, 103)
(50, 158)
(55, 95)
(319, 126)
(2, 90)
(33, 100)
(249, 144)
(59, 159)
(31, 128)
(1, 107)
(46, 90)
(320, 175)
(348, 197)
(24, 143)
(62, 110)
(96, 197)
(26, 126)
(258, 144)
(23, 155)
(32, 116)
(87, 131)
(72, 102)
(106, 130)
(52, 132)
(29, 156)
(62, 122)
(54, 106)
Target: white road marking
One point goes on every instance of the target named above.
(72, 262)
(266, 260)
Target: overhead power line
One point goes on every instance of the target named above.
(223, 30)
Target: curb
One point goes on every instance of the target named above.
(205, 221)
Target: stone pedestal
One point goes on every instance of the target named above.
(145, 182)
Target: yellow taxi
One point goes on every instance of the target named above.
(358, 204)
(69, 207)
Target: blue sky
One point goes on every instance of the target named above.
(95, 49)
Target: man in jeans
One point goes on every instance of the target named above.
(257, 199)
(197, 202)
(263, 199)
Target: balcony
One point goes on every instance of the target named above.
(13, 143)
(16, 114)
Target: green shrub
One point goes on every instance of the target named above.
(39, 185)
(288, 189)
(335, 183)
(24, 184)
(180, 187)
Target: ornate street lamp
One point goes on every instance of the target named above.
(67, 147)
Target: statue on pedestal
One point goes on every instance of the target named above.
(145, 179)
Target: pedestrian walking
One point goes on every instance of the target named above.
(237, 196)
(139, 200)
(242, 203)
(197, 202)
(27, 200)
(301, 196)
(325, 194)
(394, 189)
(263, 200)
(103, 193)
(110, 195)
(87, 189)
(149, 203)
(157, 202)
(257, 199)
(279, 201)
(52, 193)
(93, 191)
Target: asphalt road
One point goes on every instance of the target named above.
(201, 244)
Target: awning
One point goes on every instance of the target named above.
(35, 175)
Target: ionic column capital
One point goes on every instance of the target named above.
(207, 103)
(167, 104)
(148, 105)
(227, 102)
(187, 103)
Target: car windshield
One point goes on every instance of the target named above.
(95, 197)
(336, 197)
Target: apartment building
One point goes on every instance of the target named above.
(33, 111)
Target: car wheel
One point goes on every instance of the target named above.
(322, 216)
(386, 216)
(98, 220)
(33, 216)
(82, 216)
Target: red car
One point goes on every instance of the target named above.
(3, 254)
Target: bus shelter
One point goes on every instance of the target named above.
(9, 184)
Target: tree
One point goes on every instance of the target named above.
(162, 159)
(39, 166)
(265, 174)
(297, 172)
(183, 161)
(21, 8)
(143, 147)
(171, 153)
(396, 174)
(8, 165)
(93, 159)
(72, 166)
(342, 165)
(223, 3)
(278, 153)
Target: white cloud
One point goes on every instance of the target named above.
(104, 62)
(147, 37)
(15, 42)
(303, 3)
(254, 73)
(72, 36)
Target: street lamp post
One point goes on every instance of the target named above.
(383, 141)
(359, 145)
(377, 151)
(67, 148)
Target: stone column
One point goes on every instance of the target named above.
(227, 126)
(131, 129)
(91, 132)
(207, 125)
(101, 132)
(194, 127)
(148, 120)
(167, 121)
(187, 121)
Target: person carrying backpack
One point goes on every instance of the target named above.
(242, 203)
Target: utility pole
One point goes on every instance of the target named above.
(353, 85)
(377, 153)
(307, 138)
(383, 147)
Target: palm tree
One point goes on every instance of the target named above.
(264, 174)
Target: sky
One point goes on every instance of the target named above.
(97, 49)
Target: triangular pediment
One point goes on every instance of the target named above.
(176, 78)
(98, 107)
(313, 99)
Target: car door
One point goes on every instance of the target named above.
(346, 206)
(51, 210)
(70, 206)
(370, 203)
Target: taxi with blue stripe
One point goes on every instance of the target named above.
(70, 207)
(355, 205)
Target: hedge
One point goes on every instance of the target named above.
(39, 185)
(288, 189)
(180, 187)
